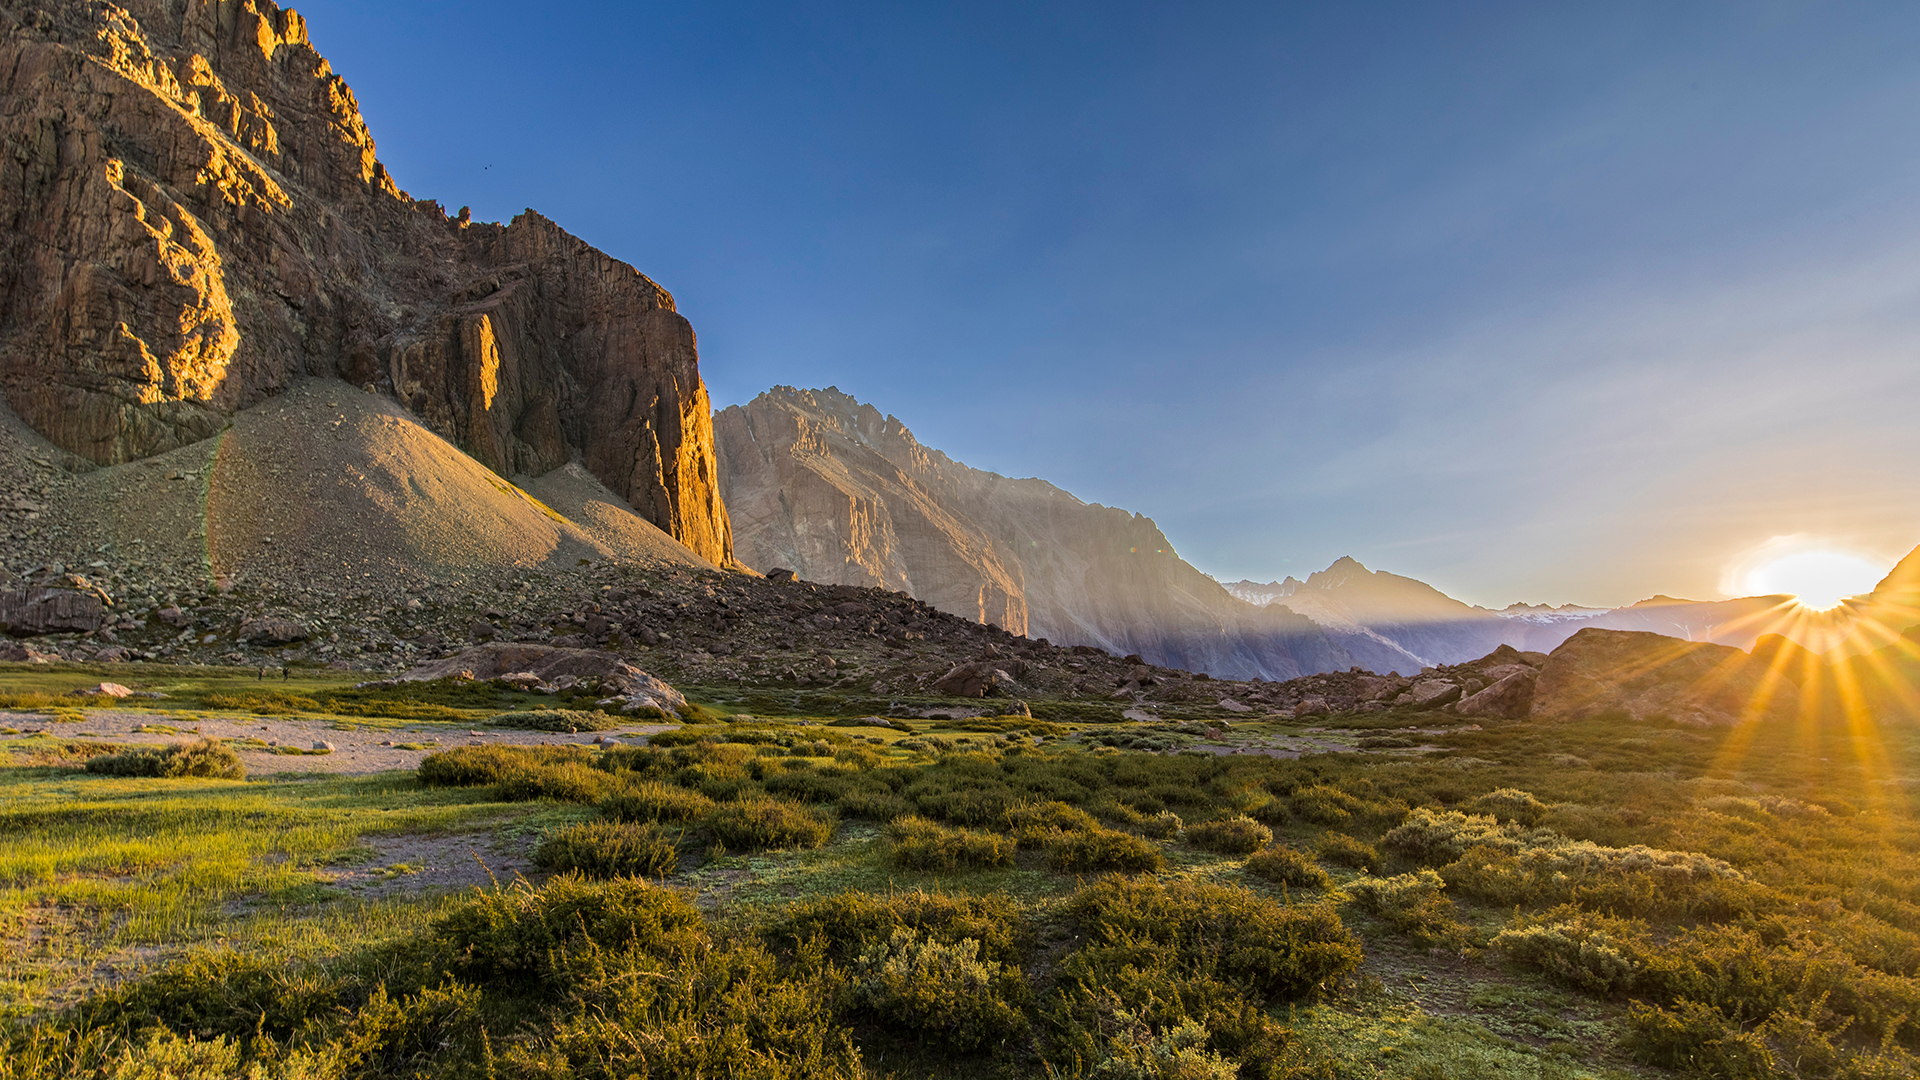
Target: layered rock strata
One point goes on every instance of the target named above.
(193, 216)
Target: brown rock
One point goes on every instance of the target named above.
(1311, 706)
(1509, 698)
(1647, 675)
(194, 217)
(51, 611)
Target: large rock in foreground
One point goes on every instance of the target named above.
(603, 671)
(192, 217)
(1648, 675)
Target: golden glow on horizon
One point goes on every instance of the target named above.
(1818, 579)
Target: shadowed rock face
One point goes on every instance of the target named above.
(822, 484)
(194, 217)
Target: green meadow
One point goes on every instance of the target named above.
(795, 896)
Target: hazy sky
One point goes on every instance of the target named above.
(1542, 302)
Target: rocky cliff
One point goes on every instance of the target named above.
(824, 485)
(194, 218)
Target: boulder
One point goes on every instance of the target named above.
(779, 573)
(13, 652)
(105, 689)
(26, 612)
(1311, 706)
(1433, 693)
(974, 680)
(272, 630)
(624, 684)
(173, 617)
(1650, 675)
(1509, 698)
(1231, 705)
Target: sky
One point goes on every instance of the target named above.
(1534, 302)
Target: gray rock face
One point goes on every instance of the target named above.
(1510, 698)
(1433, 693)
(830, 488)
(25, 612)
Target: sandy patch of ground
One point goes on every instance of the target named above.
(258, 740)
(412, 863)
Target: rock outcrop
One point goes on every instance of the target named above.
(1646, 675)
(192, 217)
(26, 612)
(830, 488)
(557, 668)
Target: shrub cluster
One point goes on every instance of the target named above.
(1285, 866)
(605, 849)
(919, 844)
(942, 990)
(1237, 835)
(765, 823)
(1413, 904)
(562, 720)
(1343, 850)
(207, 757)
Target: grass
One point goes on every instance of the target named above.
(1588, 900)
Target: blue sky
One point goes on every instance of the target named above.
(1533, 302)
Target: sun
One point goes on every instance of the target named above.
(1818, 579)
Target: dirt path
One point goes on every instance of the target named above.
(274, 744)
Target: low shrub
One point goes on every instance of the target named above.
(1413, 904)
(568, 781)
(1285, 866)
(1164, 825)
(919, 844)
(1343, 850)
(469, 766)
(1103, 849)
(851, 923)
(1040, 823)
(1512, 804)
(606, 849)
(1581, 951)
(942, 990)
(1237, 835)
(563, 720)
(207, 757)
(1324, 805)
(1437, 837)
(651, 800)
(1278, 952)
(873, 803)
(763, 824)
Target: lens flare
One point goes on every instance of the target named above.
(1817, 579)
